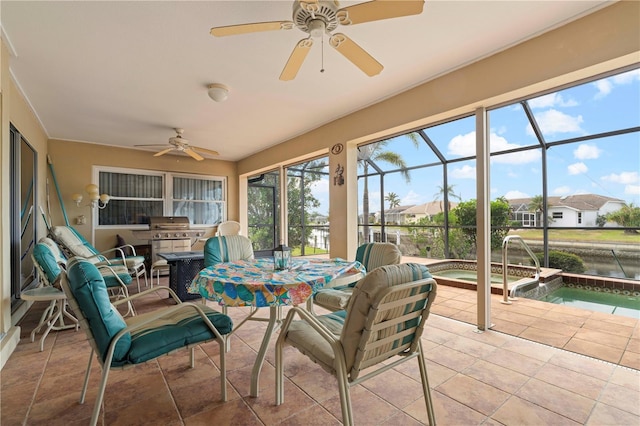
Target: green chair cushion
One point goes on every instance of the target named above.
(335, 298)
(365, 292)
(110, 279)
(227, 249)
(184, 327)
(307, 340)
(90, 292)
(47, 261)
(372, 255)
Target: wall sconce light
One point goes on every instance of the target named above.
(218, 92)
(95, 199)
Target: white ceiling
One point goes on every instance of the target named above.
(127, 72)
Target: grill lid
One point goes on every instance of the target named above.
(168, 222)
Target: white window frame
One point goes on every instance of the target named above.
(167, 193)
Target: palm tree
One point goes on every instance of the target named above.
(536, 204)
(438, 196)
(375, 152)
(393, 199)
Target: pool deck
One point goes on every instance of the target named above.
(607, 337)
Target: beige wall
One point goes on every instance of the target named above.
(600, 42)
(15, 110)
(73, 163)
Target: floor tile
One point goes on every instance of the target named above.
(488, 377)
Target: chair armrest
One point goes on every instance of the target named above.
(101, 255)
(129, 246)
(172, 293)
(309, 318)
(116, 276)
(161, 314)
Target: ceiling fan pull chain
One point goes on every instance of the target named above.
(322, 55)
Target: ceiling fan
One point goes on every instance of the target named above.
(178, 143)
(317, 17)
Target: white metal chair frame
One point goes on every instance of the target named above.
(385, 312)
(53, 316)
(163, 312)
(120, 258)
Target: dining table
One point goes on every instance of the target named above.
(256, 284)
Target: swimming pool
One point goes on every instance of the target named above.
(610, 303)
(463, 274)
(472, 276)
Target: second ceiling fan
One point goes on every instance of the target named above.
(317, 17)
(180, 144)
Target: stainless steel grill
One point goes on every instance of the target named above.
(168, 234)
(168, 228)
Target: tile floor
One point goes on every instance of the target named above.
(494, 377)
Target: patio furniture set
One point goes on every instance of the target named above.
(377, 312)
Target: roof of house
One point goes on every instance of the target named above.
(578, 201)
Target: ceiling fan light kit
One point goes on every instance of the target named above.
(319, 17)
(218, 92)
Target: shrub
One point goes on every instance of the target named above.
(568, 262)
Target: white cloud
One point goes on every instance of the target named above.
(550, 100)
(463, 145)
(521, 157)
(624, 177)
(577, 168)
(411, 198)
(604, 87)
(510, 195)
(587, 152)
(627, 77)
(320, 186)
(464, 172)
(632, 189)
(553, 121)
(562, 190)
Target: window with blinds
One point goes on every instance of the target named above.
(138, 194)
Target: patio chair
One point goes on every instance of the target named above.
(384, 319)
(121, 343)
(46, 260)
(228, 227)
(74, 244)
(227, 249)
(49, 260)
(371, 255)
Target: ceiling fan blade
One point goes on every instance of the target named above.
(193, 154)
(377, 10)
(163, 152)
(251, 28)
(153, 144)
(296, 59)
(356, 54)
(204, 150)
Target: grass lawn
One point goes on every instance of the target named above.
(600, 235)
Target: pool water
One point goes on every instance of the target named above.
(465, 275)
(617, 304)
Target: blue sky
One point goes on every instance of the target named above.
(606, 166)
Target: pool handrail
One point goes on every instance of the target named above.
(506, 296)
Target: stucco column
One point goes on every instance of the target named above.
(343, 201)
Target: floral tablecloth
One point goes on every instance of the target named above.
(255, 283)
